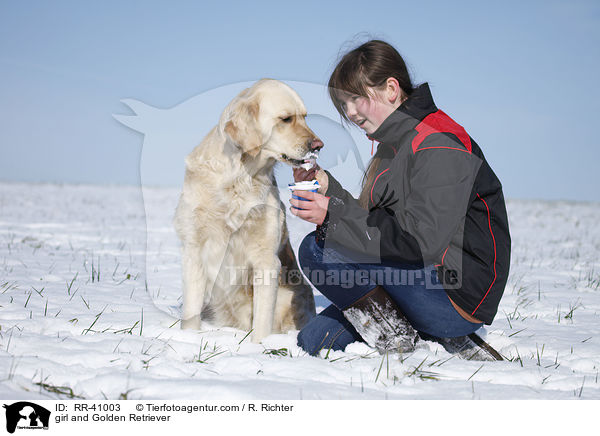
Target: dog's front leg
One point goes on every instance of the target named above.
(265, 284)
(194, 288)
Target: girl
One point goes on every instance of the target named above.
(425, 249)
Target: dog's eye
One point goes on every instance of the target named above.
(287, 119)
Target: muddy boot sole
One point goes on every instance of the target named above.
(470, 347)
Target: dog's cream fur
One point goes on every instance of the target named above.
(231, 221)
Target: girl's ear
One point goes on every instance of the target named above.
(393, 92)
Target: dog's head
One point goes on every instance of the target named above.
(267, 121)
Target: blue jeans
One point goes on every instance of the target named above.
(335, 273)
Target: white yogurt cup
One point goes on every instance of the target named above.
(311, 186)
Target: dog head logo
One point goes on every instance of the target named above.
(25, 415)
(169, 135)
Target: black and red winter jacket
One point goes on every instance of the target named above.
(435, 201)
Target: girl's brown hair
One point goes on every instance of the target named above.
(368, 66)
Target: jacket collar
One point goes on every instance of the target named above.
(412, 110)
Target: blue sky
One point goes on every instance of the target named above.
(521, 77)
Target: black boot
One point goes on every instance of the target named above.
(379, 321)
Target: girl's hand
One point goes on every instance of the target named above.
(315, 208)
(316, 172)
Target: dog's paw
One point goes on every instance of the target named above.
(257, 336)
(191, 324)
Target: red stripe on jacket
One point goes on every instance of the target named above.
(439, 122)
(376, 182)
(444, 255)
(494, 241)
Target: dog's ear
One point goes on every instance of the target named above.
(243, 127)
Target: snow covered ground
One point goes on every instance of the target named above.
(89, 299)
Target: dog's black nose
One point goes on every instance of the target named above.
(316, 144)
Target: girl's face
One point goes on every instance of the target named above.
(367, 113)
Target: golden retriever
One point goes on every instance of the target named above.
(238, 266)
